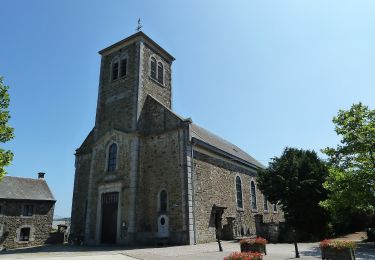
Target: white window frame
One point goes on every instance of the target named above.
(31, 234)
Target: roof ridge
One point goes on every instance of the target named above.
(170, 110)
(21, 177)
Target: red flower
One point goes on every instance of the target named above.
(244, 256)
(258, 240)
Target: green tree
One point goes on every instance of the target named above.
(6, 132)
(351, 182)
(295, 180)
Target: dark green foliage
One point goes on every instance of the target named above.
(6, 132)
(294, 180)
(371, 234)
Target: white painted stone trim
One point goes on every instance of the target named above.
(107, 188)
(31, 235)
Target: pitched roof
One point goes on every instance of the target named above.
(222, 145)
(215, 142)
(25, 189)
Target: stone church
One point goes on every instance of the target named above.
(145, 174)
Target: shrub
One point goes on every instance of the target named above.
(371, 234)
(250, 241)
(337, 244)
(244, 256)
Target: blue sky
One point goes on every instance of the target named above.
(262, 74)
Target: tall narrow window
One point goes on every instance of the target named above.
(124, 63)
(153, 68)
(27, 210)
(275, 207)
(265, 202)
(112, 157)
(25, 234)
(115, 70)
(163, 201)
(160, 73)
(239, 192)
(253, 196)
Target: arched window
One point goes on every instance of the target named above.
(123, 67)
(115, 66)
(163, 201)
(265, 202)
(153, 68)
(160, 73)
(253, 196)
(112, 157)
(239, 192)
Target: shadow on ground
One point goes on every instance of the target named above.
(69, 248)
(363, 251)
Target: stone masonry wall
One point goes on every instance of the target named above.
(100, 177)
(215, 184)
(150, 86)
(117, 98)
(80, 191)
(40, 223)
(161, 168)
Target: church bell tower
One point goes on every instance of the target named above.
(130, 70)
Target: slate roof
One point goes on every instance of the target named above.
(25, 189)
(215, 142)
(223, 145)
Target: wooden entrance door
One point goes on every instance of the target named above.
(109, 217)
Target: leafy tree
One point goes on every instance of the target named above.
(6, 132)
(295, 180)
(351, 181)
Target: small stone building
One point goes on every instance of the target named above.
(26, 211)
(146, 175)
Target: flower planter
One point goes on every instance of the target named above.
(253, 245)
(244, 256)
(253, 248)
(337, 250)
(337, 254)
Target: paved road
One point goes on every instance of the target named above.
(199, 252)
